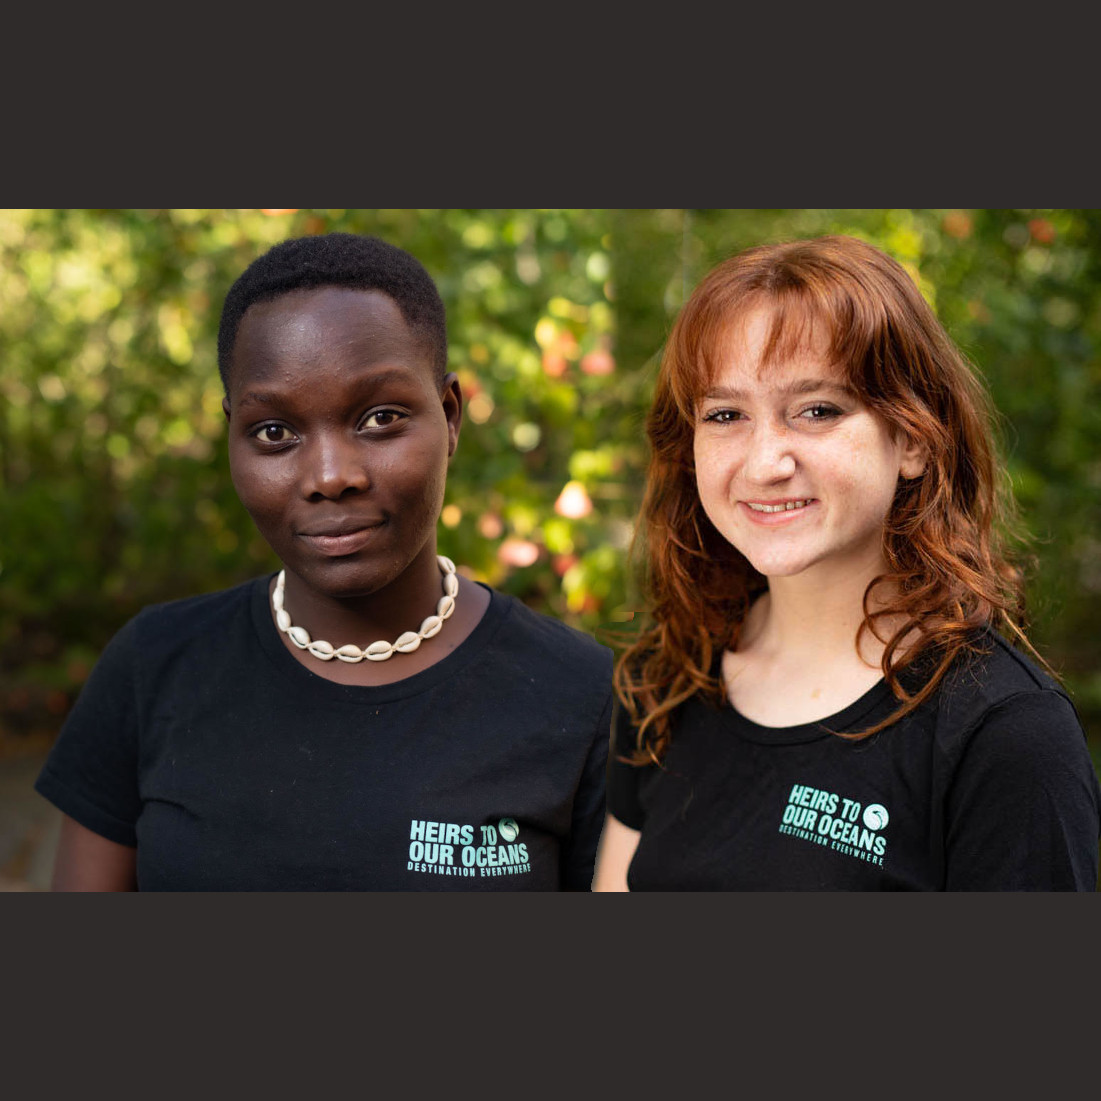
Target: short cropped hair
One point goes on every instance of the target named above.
(337, 260)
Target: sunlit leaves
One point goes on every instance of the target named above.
(115, 489)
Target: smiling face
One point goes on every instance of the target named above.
(792, 468)
(340, 435)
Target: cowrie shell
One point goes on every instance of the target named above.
(378, 651)
(407, 642)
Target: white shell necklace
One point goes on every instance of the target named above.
(377, 651)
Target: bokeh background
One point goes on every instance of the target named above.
(114, 484)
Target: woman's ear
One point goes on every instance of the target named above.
(452, 398)
(913, 458)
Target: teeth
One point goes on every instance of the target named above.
(787, 506)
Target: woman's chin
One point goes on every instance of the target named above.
(344, 578)
(779, 565)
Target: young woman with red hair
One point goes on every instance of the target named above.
(833, 692)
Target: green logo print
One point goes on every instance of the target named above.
(450, 848)
(835, 822)
(876, 816)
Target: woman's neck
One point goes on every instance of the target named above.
(796, 659)
(382, 616)
(400, 606)
(807, 617)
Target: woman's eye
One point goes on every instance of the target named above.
(381, 418)
(274, 433)
(820, 412)
(722, 416)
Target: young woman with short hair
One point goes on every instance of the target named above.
(366, 718)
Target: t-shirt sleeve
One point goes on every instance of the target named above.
(623, 779)
(578, 857)
(1023, 812)
(91, 773)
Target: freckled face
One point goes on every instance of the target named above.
(792, 468)
(340, 437)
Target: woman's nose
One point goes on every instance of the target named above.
(770, 457)
(335, 464)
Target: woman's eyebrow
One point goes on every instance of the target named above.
(259, 397)
(799, 386)
(383, 377)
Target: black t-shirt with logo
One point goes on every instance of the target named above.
(202, 741)
(987, 786)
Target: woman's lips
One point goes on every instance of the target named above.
(346, 542)
(774, 512)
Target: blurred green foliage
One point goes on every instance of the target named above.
(114, 486)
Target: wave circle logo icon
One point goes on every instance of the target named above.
(508, 829)
(876, 816)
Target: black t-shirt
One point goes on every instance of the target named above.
(202, 741)
(987, 786)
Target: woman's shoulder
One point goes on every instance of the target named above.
(993, 670)
(1009, 732)
(527, 631)
(202, 605)
(996, 684)
(172, 622)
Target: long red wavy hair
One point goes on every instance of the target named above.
(944, 539)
